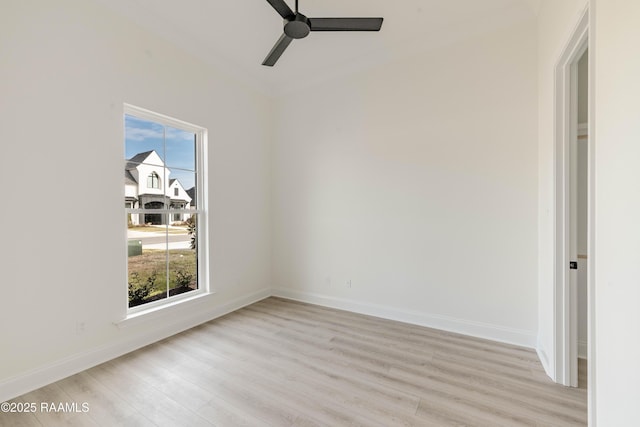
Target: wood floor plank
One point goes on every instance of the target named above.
(308, 383)
(105, 406)
(299, 395)
(158, 407)
(399, 331)
(18, 419)
(285, 363)
(291, 366)
(52, 395)
(221, 414)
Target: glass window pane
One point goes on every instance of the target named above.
(147, 187)
(180, 149)
(144, 141)
(183, 267)
(150, 201)
(182, 190)
(147, 263)
(160, 178)
(131, 189)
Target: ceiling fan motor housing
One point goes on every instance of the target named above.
(298, 27)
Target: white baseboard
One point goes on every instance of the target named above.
(55, 371)
(461, 326)
(544, 360)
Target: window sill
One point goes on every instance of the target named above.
(180, 307)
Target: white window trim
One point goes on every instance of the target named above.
(152, 309)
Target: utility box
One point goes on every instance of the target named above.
(135, 247)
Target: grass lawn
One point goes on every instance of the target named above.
(155, 261)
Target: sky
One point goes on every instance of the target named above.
(175, 147)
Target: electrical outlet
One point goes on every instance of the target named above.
(348, 283)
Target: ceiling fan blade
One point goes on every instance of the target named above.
(281, 7)
(277, 50)
(345, 24)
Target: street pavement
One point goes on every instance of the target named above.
(158, 240)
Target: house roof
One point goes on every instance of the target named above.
(137, 159)
(129, 179)
(192, 193)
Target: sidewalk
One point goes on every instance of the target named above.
(161, 230)
(158, 239)
(172, 245)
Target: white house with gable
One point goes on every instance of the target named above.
(147, 186)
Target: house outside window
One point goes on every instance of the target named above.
(166, 246)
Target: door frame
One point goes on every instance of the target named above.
(566, 132)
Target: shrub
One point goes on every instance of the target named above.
(138, 292)
(191, 229)
(183, 279)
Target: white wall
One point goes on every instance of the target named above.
(617, 186)
(556, 22)
(66, 68)
(417, 181)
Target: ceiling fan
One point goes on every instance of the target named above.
(298, 26)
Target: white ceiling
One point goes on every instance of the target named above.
(235, 36)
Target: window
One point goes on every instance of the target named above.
(153, 180)
(166, 247)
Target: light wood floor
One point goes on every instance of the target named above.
(284, 363)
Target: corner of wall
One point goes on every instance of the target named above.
(544, 360)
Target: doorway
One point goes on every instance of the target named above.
(573, 201)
